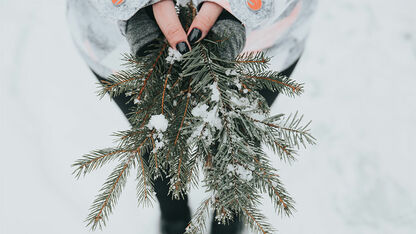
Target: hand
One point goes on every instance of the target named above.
(168, 21)
(142, 29)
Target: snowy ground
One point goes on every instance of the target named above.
(359, 70)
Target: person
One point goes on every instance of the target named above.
(104, 29)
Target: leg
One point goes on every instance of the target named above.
(237, 226)
(175, 213)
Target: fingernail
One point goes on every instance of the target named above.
(182, 47)
(194, 35)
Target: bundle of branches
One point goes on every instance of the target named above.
(200, 113)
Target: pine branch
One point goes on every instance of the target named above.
(252, 61)
(197, 224)
(97, 159)
(276, 82)
(110, 192)
(145, 192)
(200, 112)
(255, 219)
(149, 74)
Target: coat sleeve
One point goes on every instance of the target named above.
(120, 9)
(254, 13)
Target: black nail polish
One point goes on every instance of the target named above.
(194, 35)
(182, 47)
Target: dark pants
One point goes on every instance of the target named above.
(178, 209)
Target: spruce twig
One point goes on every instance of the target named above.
(200, 112)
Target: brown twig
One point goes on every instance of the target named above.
(98, 216)
(164, 87)
(141, 161)
(150, 72)
(255, 221)
(184, 114)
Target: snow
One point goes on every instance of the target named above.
(196, 133)
(211, 117)
(243, 173)
(231, 72)
(158, 122)
(237, 83)
(182, 2)
(215, 97)
(158, 145)
(240, 101)
(173, 56)
(358, 68)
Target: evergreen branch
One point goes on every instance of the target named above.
(95, 160)
(179, 172)
(255, 221)
(287, 205)
(251, 61)
(197, 224)
(141, 162)
(255, 218)
(131, 133)
(104, 203)
(113, 85)
(145, 196)
(154, 147)
(285, 151)
(284, 84)
(193, 177)
(216, 125)
(291, 130)
(164, 87)
(184, 114)
(151, 72)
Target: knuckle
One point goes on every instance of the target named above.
(205, 21)
(172, 31)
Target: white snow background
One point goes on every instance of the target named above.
(359, 72)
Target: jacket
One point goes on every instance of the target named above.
(279, 27)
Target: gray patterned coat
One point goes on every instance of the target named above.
(280, 26)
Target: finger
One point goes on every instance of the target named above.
(203, 21)
(169, 24)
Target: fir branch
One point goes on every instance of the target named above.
(277, 82)
(97, 159)
(104, 203)
(282, 201)
(255, 219)
(145, 193)
(291, 130)
(197, 224)
(166, 83)
(149, 74)
(188, 97)
(252, 61)
(216, 119)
